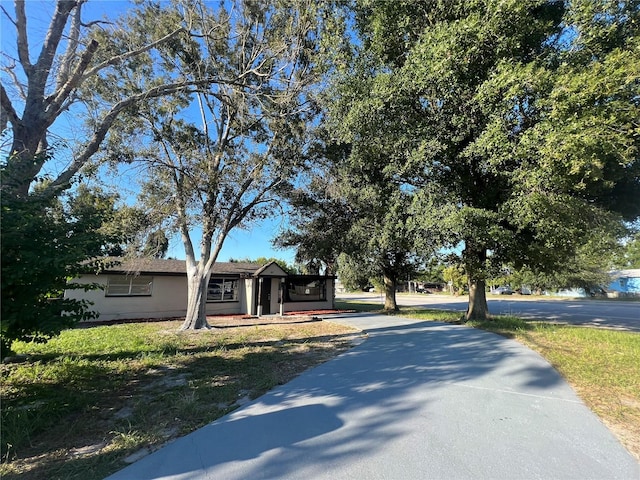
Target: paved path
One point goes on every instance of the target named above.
(413, 401)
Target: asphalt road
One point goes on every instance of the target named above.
(620, 315)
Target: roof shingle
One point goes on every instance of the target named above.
(160, 266)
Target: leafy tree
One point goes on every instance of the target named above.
(319, 215)
(455, 278)
(44, 241)
(156, 245)
(356, 274)
(630, 254)
(214, 157)
(494, 112)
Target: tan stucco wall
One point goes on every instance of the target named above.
(168, 299)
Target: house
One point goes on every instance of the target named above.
(624, 283)
(157, 288)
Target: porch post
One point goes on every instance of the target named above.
(282, 296)
(260, 297)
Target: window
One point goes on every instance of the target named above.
(222, 290)
(306, 289)
(128, 286)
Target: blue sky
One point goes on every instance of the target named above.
(240, 244)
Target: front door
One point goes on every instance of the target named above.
(265, 296)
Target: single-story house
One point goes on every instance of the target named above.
(157, 288)
(624, 283)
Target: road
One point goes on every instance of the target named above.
(620, 315)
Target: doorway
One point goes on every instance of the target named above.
(265, 296)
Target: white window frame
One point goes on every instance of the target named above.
(129, 286)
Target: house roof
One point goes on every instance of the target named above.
(161, 266)
(629, 273)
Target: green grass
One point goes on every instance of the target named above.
(91, 397)
(603, 366)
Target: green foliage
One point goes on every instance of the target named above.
(356, 274)
(291, 269)
(630, 255)
(514, 123)
(41, 252)
(455, 278)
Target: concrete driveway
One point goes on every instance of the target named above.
(413, 401)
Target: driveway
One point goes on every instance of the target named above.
(416, 400)
(615, 314)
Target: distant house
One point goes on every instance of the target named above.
(624, 283)
(157, 288)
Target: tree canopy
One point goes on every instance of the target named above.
(514, 123)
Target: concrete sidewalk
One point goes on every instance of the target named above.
(416, 400)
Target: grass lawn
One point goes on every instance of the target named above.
(603, 366)
(90, 398)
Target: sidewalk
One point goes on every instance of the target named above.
(417, 400)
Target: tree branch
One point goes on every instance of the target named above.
(62, 182)
(42, 68)
(7, 112)
(131, 53)
(22, 38)
(72, 47)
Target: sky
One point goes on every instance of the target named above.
(240, 244)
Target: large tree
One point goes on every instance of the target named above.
(39, 88)
(212, 158)
(52, 77)
(515, 122)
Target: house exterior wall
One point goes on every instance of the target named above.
(625, 283)
(167, 299)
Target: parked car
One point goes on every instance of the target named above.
(502, 291)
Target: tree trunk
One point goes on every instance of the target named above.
(390, 304)
(475, 259)
(196, 317)
(477, 309)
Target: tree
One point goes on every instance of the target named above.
(214, 157)
(359, 212)
(490, 110)
(45, 244)
(319, 214)
(49, 87)
(42, 244)
(156, 245)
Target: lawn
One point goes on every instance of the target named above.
(603, 366)
(82, 403)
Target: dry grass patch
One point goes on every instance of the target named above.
(87, 400)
